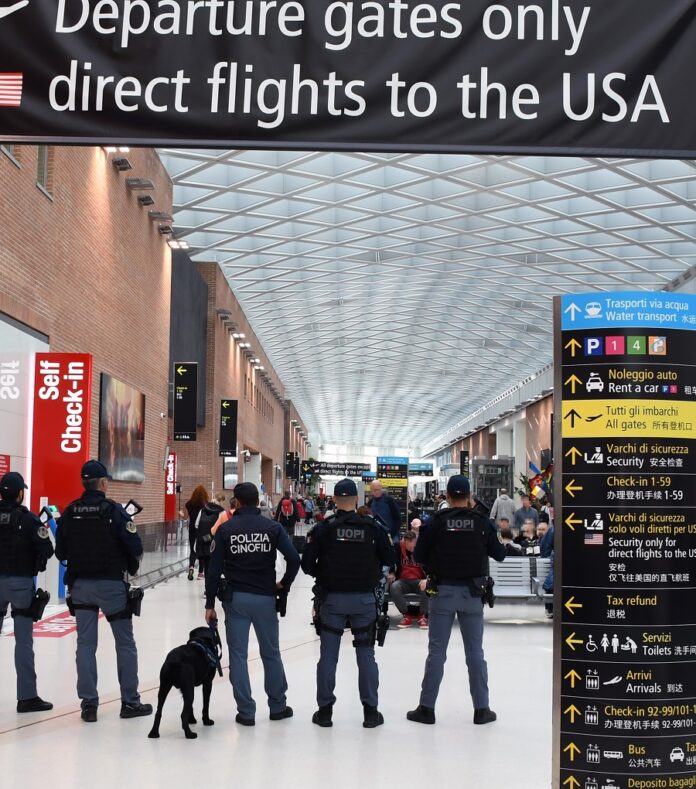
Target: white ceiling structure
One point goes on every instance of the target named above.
(397, 293)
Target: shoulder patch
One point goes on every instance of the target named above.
(42, 532)
(131, 527)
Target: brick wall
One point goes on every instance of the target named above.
(87, 267)
(229, 374)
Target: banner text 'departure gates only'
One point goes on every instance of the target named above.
(553, 76)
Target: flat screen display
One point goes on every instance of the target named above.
(122, 430)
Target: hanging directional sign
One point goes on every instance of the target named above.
(228, 428)
(625, 541)
(185, 400)
(290, 465)
(307, 471)
(420, 470)
(328, 469)
(464, 463)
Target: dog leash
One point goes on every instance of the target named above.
(214, 658)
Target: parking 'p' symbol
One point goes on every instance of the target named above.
(594, 346)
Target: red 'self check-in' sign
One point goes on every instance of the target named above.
(62, 409)
(170, 488)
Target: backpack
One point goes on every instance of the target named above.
(287, 509)
(300, 510)
(206, 520)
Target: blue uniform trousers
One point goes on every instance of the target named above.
(241, 612)
(451, 601)
(358, 608)
(111, 597)
(18, 591)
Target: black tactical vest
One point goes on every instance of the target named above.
(93, 548)
(17, 555)
(459, 551)
(348, 558)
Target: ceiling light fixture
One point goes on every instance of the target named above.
(122, 164)
(160, 216)
(136, 184)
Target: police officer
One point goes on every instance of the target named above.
(454, 548)
(245, 549)
(25, 548)
(346, 554)
(100, 543)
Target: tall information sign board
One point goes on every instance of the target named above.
(227, 446)
(625, 597)
(392, 472)
(185, 400)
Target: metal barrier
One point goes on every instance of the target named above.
(165, 551)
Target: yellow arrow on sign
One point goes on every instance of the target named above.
(574, 454)
(570, 605)
(571, 487)
(572, 782)
(573, 345)
(574, 382)
(573, 749)
(571, 641)
(225, 404)
(570, 520)
(571, 711)
(573, 676)
(181, 370)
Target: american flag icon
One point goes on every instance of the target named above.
(11, 89)
(594, 539)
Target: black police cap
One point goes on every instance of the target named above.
(12, 483)
(458, 485)
(93, 469)
(346, 487)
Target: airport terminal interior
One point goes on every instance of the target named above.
(393, 312)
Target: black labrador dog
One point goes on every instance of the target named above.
(186, 667)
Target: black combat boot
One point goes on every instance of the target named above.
(36, 704)
(484, 715)
(322, 717)
(422, 714)
(135, 710)
(89, 714)
(372, 717)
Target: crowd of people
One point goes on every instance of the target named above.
(523, 530)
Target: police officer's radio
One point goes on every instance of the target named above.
(135, 593)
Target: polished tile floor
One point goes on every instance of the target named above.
(59, 750)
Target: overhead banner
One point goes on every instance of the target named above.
(598, 78)
(228, 428)
(61, 426)
(185, 400)
(327, 469)
(625, 631)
